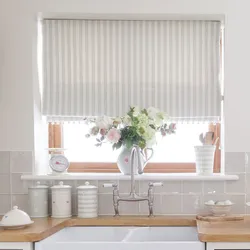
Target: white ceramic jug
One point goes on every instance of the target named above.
(123, 161)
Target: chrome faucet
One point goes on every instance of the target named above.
(133, 196)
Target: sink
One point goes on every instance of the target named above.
(162, 234)
(123, 238)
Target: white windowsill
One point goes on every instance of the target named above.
(151, 177)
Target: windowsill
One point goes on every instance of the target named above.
(115, 176)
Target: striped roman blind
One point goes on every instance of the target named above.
(101, 67)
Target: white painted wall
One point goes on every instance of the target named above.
(18, 79)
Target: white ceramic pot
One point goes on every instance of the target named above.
(87, 201)
(61, 201)
(124, 160)
(204, 159)
(38, 200)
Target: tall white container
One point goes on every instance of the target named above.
(61, 201)
(204, 157)
(38, 200)
(87, 201)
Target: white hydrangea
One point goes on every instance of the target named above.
(149, 133)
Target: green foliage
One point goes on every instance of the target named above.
(130, 136)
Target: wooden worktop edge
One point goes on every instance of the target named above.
(38, 231)
(223, 238)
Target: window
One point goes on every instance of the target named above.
(172, 154)
(101, 67)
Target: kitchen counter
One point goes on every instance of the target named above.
(44, 227)
(227, 231)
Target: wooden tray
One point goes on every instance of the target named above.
(210, 218)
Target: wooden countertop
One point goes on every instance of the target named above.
(227, 231)
(44, 227)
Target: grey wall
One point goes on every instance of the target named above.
(175, 197)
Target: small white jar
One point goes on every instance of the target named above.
(61, 201)
(38, 200)
(87, 201)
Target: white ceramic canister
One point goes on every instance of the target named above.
(61, 201)
(38, 200)
(87, 201)
(204, 159)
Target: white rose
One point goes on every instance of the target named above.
(149, 133)
(104, 122)
(152, 112)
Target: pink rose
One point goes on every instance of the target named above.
(103, 131)
(172, 126)
(126, 159)
(113, 135)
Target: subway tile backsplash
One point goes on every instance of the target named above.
(175, 197)
(4, 162)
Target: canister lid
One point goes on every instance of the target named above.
(38, 186)
(87, 186)
(61, 186)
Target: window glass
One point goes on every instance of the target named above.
(172, 148)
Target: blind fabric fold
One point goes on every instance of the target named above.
(101, 67)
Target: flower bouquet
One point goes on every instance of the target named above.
(136, 128)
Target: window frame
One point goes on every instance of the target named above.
(55, 140)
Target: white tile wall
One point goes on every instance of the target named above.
(175, 197)
(105, 202)
(125, 187)
(171, 204)
(5, 203)
(214, 187)
(21, 200)
(12, 190)
(191, 203)
(157, 208)
(192, 187)
(4, 162)
(18, 186)
(128, 208)
(235, 162)
(5, 183)
(237, 187)
(21, 162)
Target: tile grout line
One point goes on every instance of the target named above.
(11, 188)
